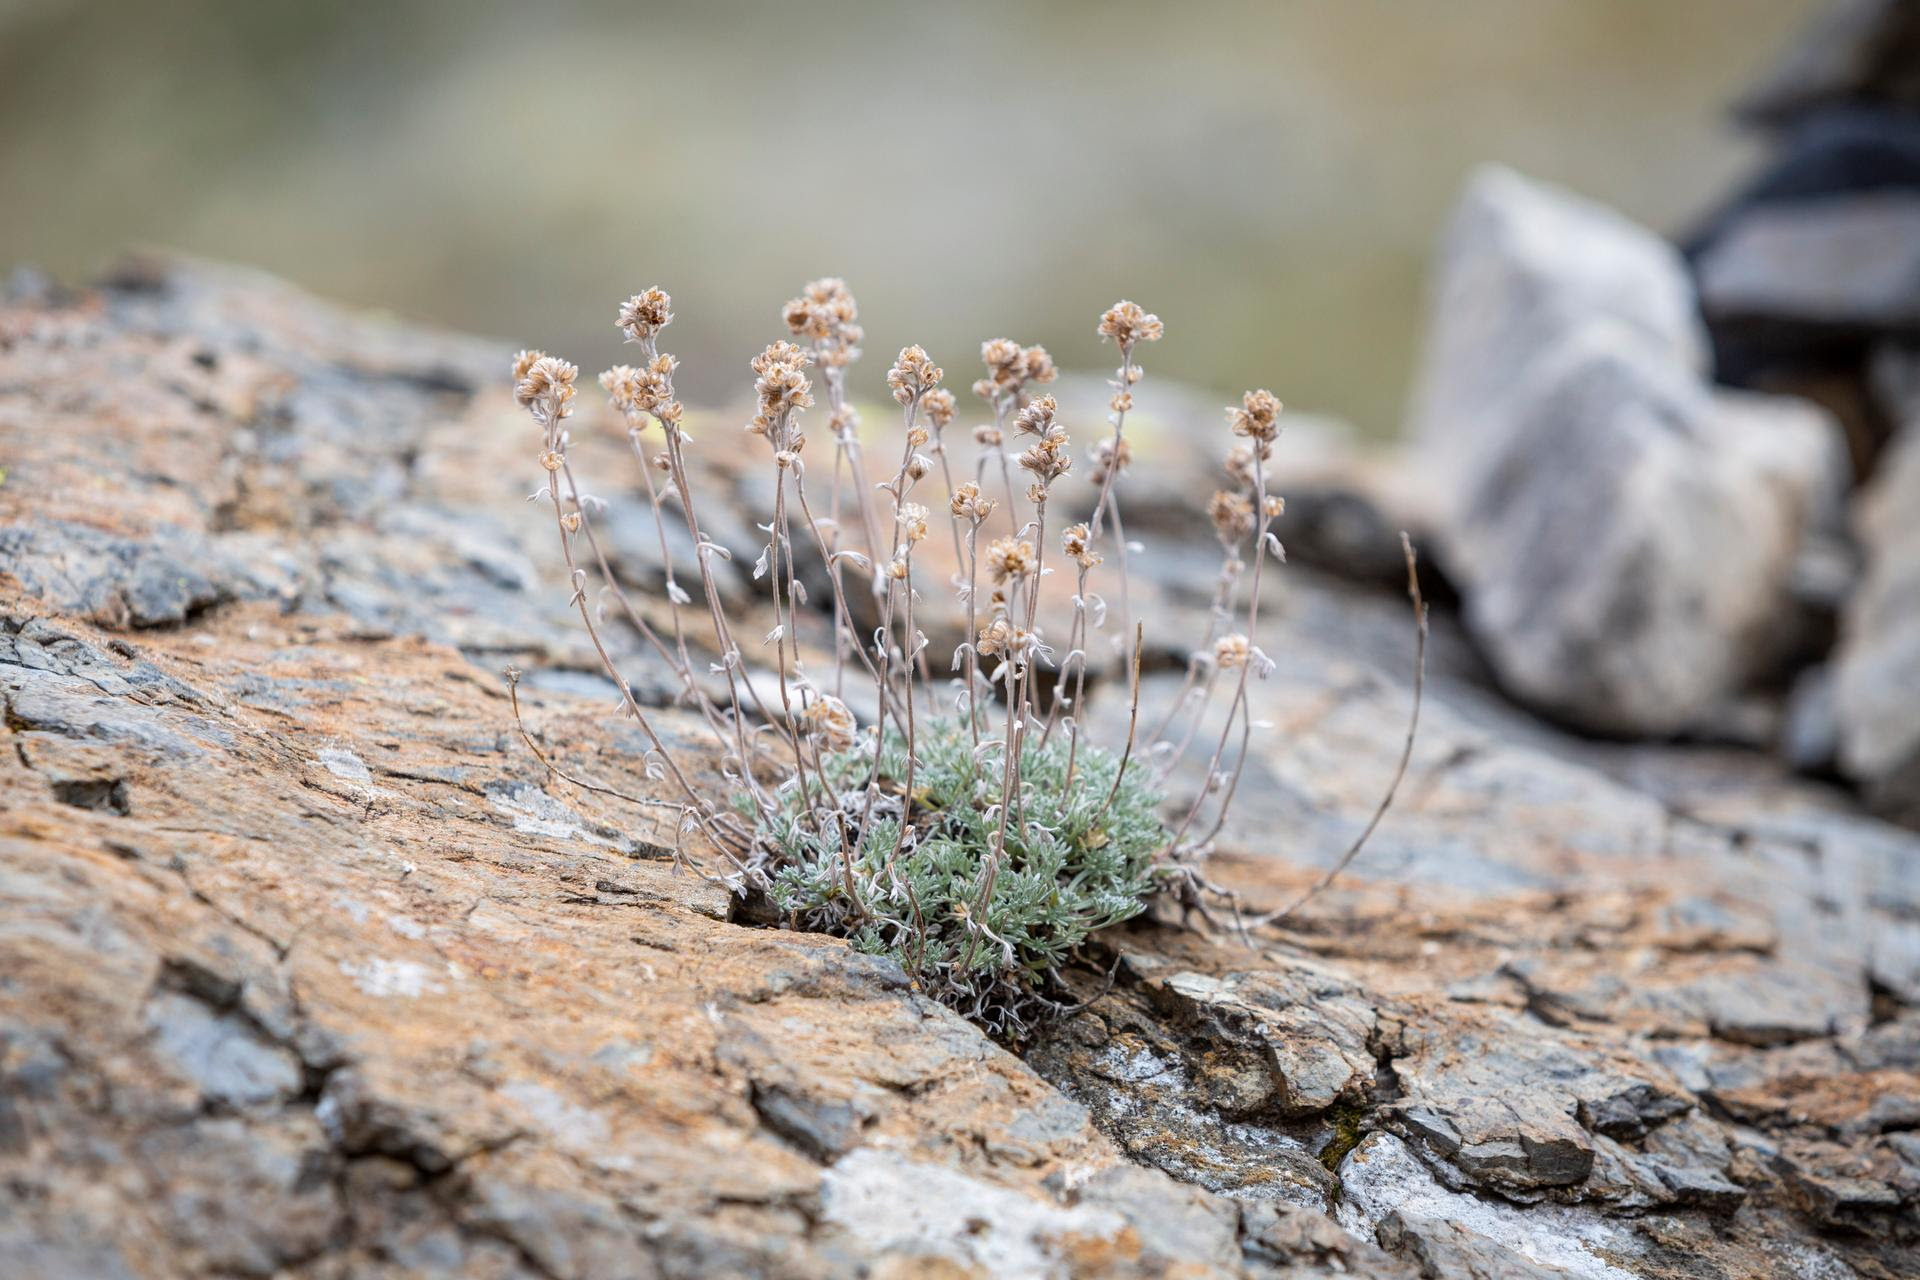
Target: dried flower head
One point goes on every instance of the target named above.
(968, 505)
(621, 382)
(653, 389)
(546, 389)
(1111, 454)
(987, 435)
(1037, 418)
(1037, 366)
(1127, 323)
(939, 406)
(644, 315)
(825, 313)
(1232, 651)
(1009, 558)
(523, 361)
(831, 722)
(1002, 356)
(913, 375)
(781, 385)
(1232, 516)
(1010, 368)
(995, 637)
(1076, 541)
(1257, 418)
(1047, 461)
(913, 521)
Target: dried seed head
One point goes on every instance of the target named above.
(967, 503)
(622, 383)
(780, 384)
(831, 722)
(1257, 418)
(918, 466)
(1002, 356)
(913, 521)
(1232, 651)
(1232, 516)
(644, 315)
(1047, 461)
(1075, 540)
(801, 320)
(1111, 455)
(995, 637)
(1037, 418)
(523, 361)
(913, 375)
(547, 391)
(1009, 558)
(653, 389)
(987, 435)
(1037, 366)
(939, 407)
(1010, 367)
(825, 314)
(1127, 323)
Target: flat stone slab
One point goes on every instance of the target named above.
(312, 970)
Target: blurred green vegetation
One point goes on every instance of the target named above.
(1269, 177)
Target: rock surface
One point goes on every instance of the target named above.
(1626, 539)
(310, 969)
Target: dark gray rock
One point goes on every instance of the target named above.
(158, 580)
(1841, 264)
(1854, 51)
(822, 1127)
(1512, 1112)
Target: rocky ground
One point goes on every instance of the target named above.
(308, 968)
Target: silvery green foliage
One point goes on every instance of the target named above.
(1079, 859)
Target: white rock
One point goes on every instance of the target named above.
(1877, 670)
(1624, 536)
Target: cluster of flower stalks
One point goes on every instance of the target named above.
(946, 810)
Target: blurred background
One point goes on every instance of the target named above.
(1269, 177)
